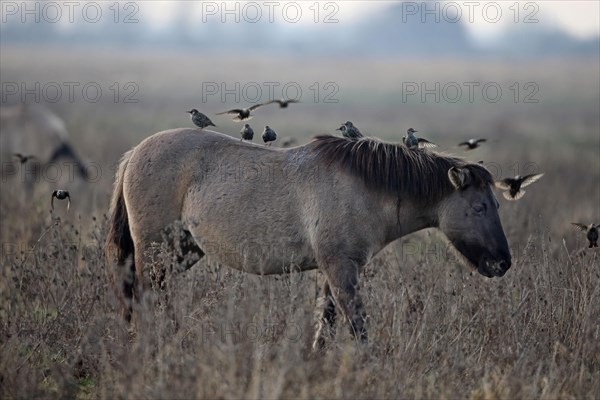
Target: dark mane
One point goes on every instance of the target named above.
(389, 167)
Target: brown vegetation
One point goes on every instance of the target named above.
(437, 330)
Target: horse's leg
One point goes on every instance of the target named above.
(190, 253)
(144, 258)
(128, 291)
(123, 279)
(342, 277)
(325, 317)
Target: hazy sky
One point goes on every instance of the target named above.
(579, 18)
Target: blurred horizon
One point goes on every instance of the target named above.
(483, 29)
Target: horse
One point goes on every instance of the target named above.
(33, 129)
(330, 204)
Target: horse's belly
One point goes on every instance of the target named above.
(259, 258)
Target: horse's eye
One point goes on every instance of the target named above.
(479, 208)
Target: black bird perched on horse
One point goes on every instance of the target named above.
(350, 131)
(269, 135)
(199, 119)
(247, 132)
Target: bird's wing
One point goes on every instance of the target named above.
(480, 140)
(234, 111)
(52, 199)
(254, 107)
(529, 179)
(503, 184)
(426, 143)
(580, 226)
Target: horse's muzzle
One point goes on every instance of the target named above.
(490, 268)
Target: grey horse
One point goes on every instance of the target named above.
(331, 204)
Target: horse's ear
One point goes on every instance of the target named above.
(459, 177)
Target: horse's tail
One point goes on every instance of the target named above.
(119, 243)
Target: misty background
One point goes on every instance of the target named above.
(400, 29)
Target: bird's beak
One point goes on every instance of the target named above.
(189, 112)
(338, 129)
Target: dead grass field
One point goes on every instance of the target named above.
(437, 329)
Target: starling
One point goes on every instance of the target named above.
(199, 119)
(412, 142)
(350, 131)
(512, 186)
(242, 113)
(283, 103)
(269, 135)
(472, 143)
(247, 132)
(61, 195)
(591, 232)
(23, 159)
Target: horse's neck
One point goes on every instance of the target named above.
(410, 217)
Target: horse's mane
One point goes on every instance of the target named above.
(390, 167)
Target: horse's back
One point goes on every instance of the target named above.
(230, 195)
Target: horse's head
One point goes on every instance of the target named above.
(469, 218)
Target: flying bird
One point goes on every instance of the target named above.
(23, 159)
(591, 231)
(269, 135)
(242, 113)
(350, 131)
(247, 132)
(199, 119)
(284, 103)
(413, 142)
(512, 186)
(61, 195)
(472, 143)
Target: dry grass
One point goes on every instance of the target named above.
(437, 330)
